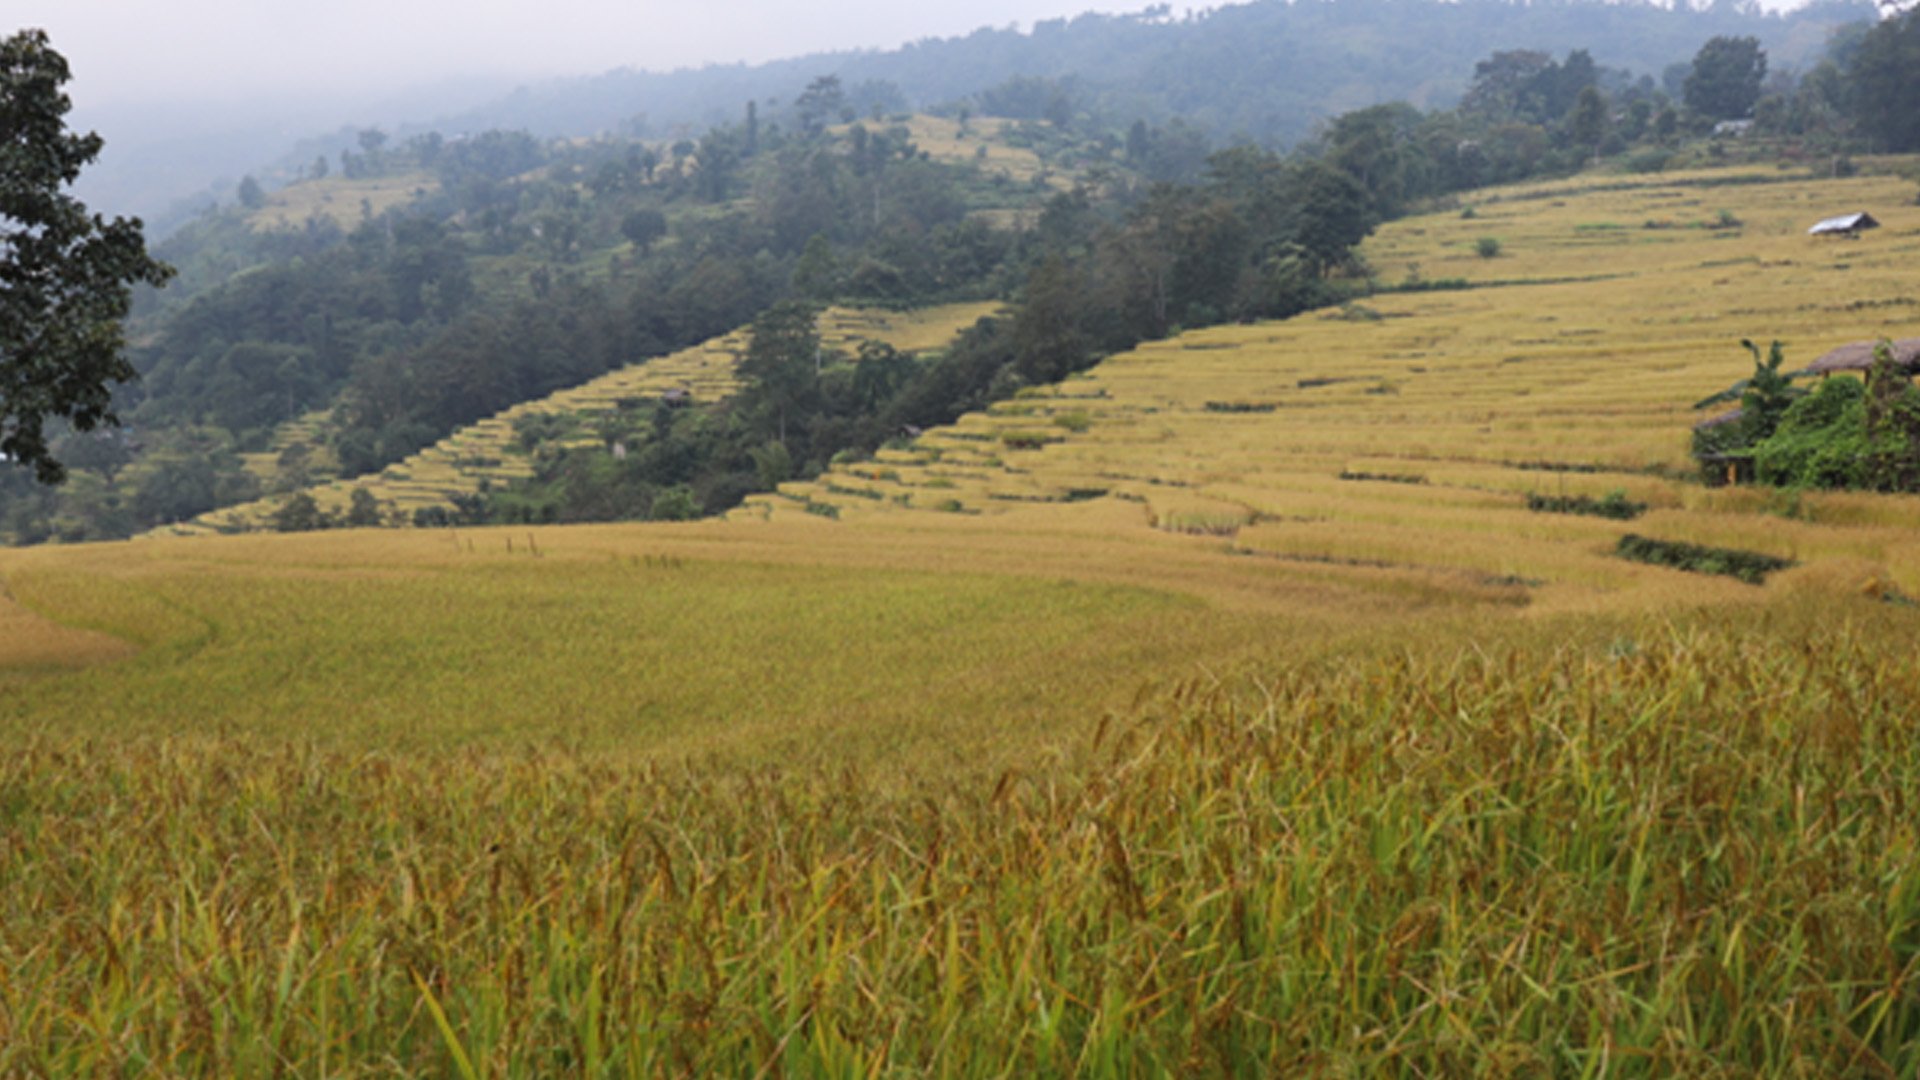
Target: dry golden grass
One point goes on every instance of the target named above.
(29, 642)
(980, 143)
(346, 202)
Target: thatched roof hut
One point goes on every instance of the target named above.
(1845, 224)
(1722, 419)
(1858, 356)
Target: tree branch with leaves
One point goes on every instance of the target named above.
(66, 276)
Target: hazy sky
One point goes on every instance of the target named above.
(123, 51)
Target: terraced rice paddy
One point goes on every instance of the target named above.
(1404, 430)
(489, 452)
(1224, 711)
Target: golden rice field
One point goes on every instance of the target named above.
(1103, 734)
(488, 452)
(1571, 371)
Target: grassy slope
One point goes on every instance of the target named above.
(489, 451)
(1471, 391)
(346, 202)
(1470, 799)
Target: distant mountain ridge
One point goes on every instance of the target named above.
(1267, 70)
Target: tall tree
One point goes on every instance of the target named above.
(1726, 76)
(1587, 122)
(1882, 83)
(65, 277)
(820, 103)
(783, 360)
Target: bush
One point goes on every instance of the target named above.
(1487, 247)
(674, 504)
(1820, 442)
(1649, 161)
(1751, 567)
(1614, 505)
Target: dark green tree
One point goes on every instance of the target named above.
(1882, 83)
(1333, 215)
(65, 277)
(301, 513)
(820, 102)
(1725, 79)
(643, 228)
(1587, 123)
(783, 361)
(363, 510)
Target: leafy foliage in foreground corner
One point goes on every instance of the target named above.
(1751, 567)
(1668, 843)
(65, 278)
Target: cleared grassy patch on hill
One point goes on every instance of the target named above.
(345, 202)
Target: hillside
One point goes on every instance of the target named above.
(1268, 70)
(1222, 709)
(1357, 467)
(493, 451)
(1404, 431)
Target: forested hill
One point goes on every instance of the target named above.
(1269, 71)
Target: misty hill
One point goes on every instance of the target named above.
(1267, 71)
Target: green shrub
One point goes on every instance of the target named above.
(1820, 442)
(1751, 567)
(1614, 505)
(1486, 247)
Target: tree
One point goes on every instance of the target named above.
(363, 509)
(820, 102)
(1883, 83)
(1333, 216)
(301, 513)
(1587, 122)
(252, 195)
(783, 358)
(65, 278)
(643, 227)
(1726, 76)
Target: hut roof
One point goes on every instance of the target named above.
(1858, 356)
(1716, 421)
(1845, 223)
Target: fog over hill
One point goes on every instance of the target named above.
(1269, 71)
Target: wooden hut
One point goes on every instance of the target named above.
(1848, 225)
(1859, 355)
(1732, 467)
